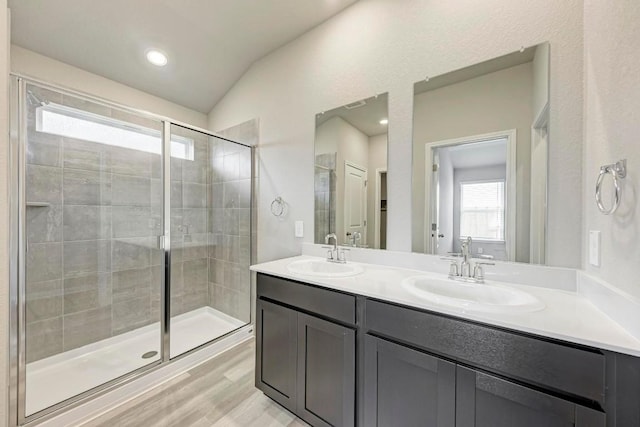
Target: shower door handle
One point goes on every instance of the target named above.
(161, 242)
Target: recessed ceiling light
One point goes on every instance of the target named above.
(157, 58)
(384, 121)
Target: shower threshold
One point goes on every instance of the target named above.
(62, 376)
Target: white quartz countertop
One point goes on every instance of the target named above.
(567, 316)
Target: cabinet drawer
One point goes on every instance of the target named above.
(331, 304)
(558, 367)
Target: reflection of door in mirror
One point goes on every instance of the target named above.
(470, 192)
(355, 204)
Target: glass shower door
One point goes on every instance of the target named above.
(210, 239)
(93, 270)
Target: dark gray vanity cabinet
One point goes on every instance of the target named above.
(406, 387)
(484, 400)
(306, 350)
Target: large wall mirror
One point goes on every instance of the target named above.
(351, 173)
(480, 139)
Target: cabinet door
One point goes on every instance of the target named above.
(405, 387)
(326, 372)
(276, 352)
(487, 401)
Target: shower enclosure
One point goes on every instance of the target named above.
(131, 244)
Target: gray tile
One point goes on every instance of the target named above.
(177, 280)
(125, 161)
(127, 254)
(198, 247)
(44, 224)
(44, 184)
(176, 194)
(216, 271)
(231, 218)
(194, 195)
(195, 219)
(216, 173)
(231, 248)
(83, 222)
(131, 284)
(216, 221)
(44, 262)
(85, 257)
(216, 246)
(244, 193)
(231, 164)
(231, 302)
(133, 221)
(43, 339)
(197, 170)
(244, 157)
(131, 314)
(216, 195)
(244, 222)
(156, 192)
(44, 300)
(131, 190)
(231, 195)
(86, 187)
(84, 155)
(244, 252)
(195, 299)
(195, 275)
(44, 149)
(87, 292)
(86, 327)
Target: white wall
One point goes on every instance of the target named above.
(4, 212)
(494, 102)
(377, 160)
(28, 63)
(612, 132)
(377, 46)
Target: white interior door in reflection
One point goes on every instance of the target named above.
(355, 202)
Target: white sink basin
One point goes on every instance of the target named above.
(487, 298)
(322, 268)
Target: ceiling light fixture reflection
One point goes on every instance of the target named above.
(157, 58)
(384, 121)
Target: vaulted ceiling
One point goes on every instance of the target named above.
(209, 43)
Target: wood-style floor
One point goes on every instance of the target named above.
(219, 392)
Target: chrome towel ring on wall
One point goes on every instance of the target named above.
(278, 206)
(618, 171)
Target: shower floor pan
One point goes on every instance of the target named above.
(62, 376)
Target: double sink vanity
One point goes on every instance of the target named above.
(345, 344)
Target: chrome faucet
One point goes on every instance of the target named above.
(333, 254)
(462, 272)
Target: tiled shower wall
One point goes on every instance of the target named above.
(325, 195)
(231, 215)
(94, 211)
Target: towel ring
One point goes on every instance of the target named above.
(618, 171)
(277, 206)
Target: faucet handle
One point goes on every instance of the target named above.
(341, 254)
(454, 254)
(478, 271)
(329, 251)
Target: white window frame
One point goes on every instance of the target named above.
(504, 215)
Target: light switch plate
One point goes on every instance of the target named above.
(299, 229)
(594, 248)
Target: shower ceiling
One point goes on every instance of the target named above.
(210, 43)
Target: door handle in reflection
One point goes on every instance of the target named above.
(440, 236)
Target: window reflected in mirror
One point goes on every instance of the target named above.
(350, 173)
